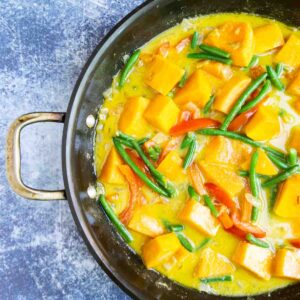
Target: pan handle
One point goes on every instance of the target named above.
(13, 156)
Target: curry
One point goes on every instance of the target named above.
(196, 154)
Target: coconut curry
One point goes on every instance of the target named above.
(197, 150)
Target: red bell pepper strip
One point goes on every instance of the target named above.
(295, 242)
(242, 119)
(225, 219)
(192, 125)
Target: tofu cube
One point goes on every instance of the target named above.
(171, 167)
(288, 200)
(267, 37)
(162, 113)
(110, 172)
(290, 52)
(264, 125)
(163, 75)
(255, 259)
(213, 264)
(197, 90)
(160, 249)
(230, 92)
(199, 216)
(131, 120)
(287, 263)
(294, 140)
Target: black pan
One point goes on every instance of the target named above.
(114, 256)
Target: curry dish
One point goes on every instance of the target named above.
(196, 154)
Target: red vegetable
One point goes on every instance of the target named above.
(242, 119)
(192, 125)
(295, 242)
(225, 219)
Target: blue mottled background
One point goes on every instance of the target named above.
(43, 46)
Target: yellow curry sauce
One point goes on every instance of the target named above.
(148, 106)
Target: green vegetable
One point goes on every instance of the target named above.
(278, 162)
(254, 213)
(244, 173)
(154, 152)
(254, 184)
(136, 169)
(114, 219)
(189, 137)
(195, 39)
(203, 243)
(128, 139)
(240, 102)
(253, 62)
(279, 69)
(292, 157)
(128, 67)
(208, 56)
(217, 279)
(210, 205)
(273, 194)
(263, 92)
(255, 241)
(185, 242)
(214, 51)
(190, 154)
(142, 141)
(240, 137)
(281, 176)
(174, 227)
(183, 80)
(208, 105)
(193, 194)
(274, 78)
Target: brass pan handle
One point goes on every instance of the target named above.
(13, 156)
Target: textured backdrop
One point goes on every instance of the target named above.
(43, 46)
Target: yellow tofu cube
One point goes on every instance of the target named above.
(213, 264)
(265, 124)
(290, 52)
(218, 70)
(110, 172)
(267, 37)
(131, 120)
(171, 167)
(255, 259)
(294, 140)
(197, 90)
(287, 263)
(294, 87)
(230, 92)
(160, 249)
(145, 224)
(288, 200)
(176, 261)
(223, 176)
(162, 113)
(264, 164)
(163, 75)
(199, 217)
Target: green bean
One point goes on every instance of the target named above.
(190, 154)
(193, 194)
(195, 39)
(274, 78)
(292, 157)
(142, 141)
(185, 242)
(252, 175)
(189, 137)
(136, 169)
(263, 92)
(203, 243)
(211, 206)
(129, 139)
(253, 62)
(208, 105)
(279, 69)
(208, 56)
(173, 227)
(128, 66)
(214, 51)
(255, 241)
(154, 152)
(244, 173)
(273, 192)
(278, 162)
(281, 176)
(242, 138)
(183, 80)
(114, 219)
(240, 102)
(217, 279)
(254, 213)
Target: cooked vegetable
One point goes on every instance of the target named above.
(211, 206)
(185, 242)
(190, 154)
(253, 62)
(195, 39)
(225, 219)
(240, 102)
(217, 279)
(128, 67)
(183, 80)
(295, 242)
(292, 157)
(114, 219)
(189, 137)
(214, 50)
(208, 105)
(244, 173)
(208, 56)
(197, 179)
(193, 194)
(263, 92)
(154, 152)
(203, 243)
(253, 240)
(277, 161)
(242, 119)
(294, 86)
(279, 69)
(294, 140)
(274, 78)
(254, 183)
(218, 69)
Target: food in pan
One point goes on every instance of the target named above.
(197, 154)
